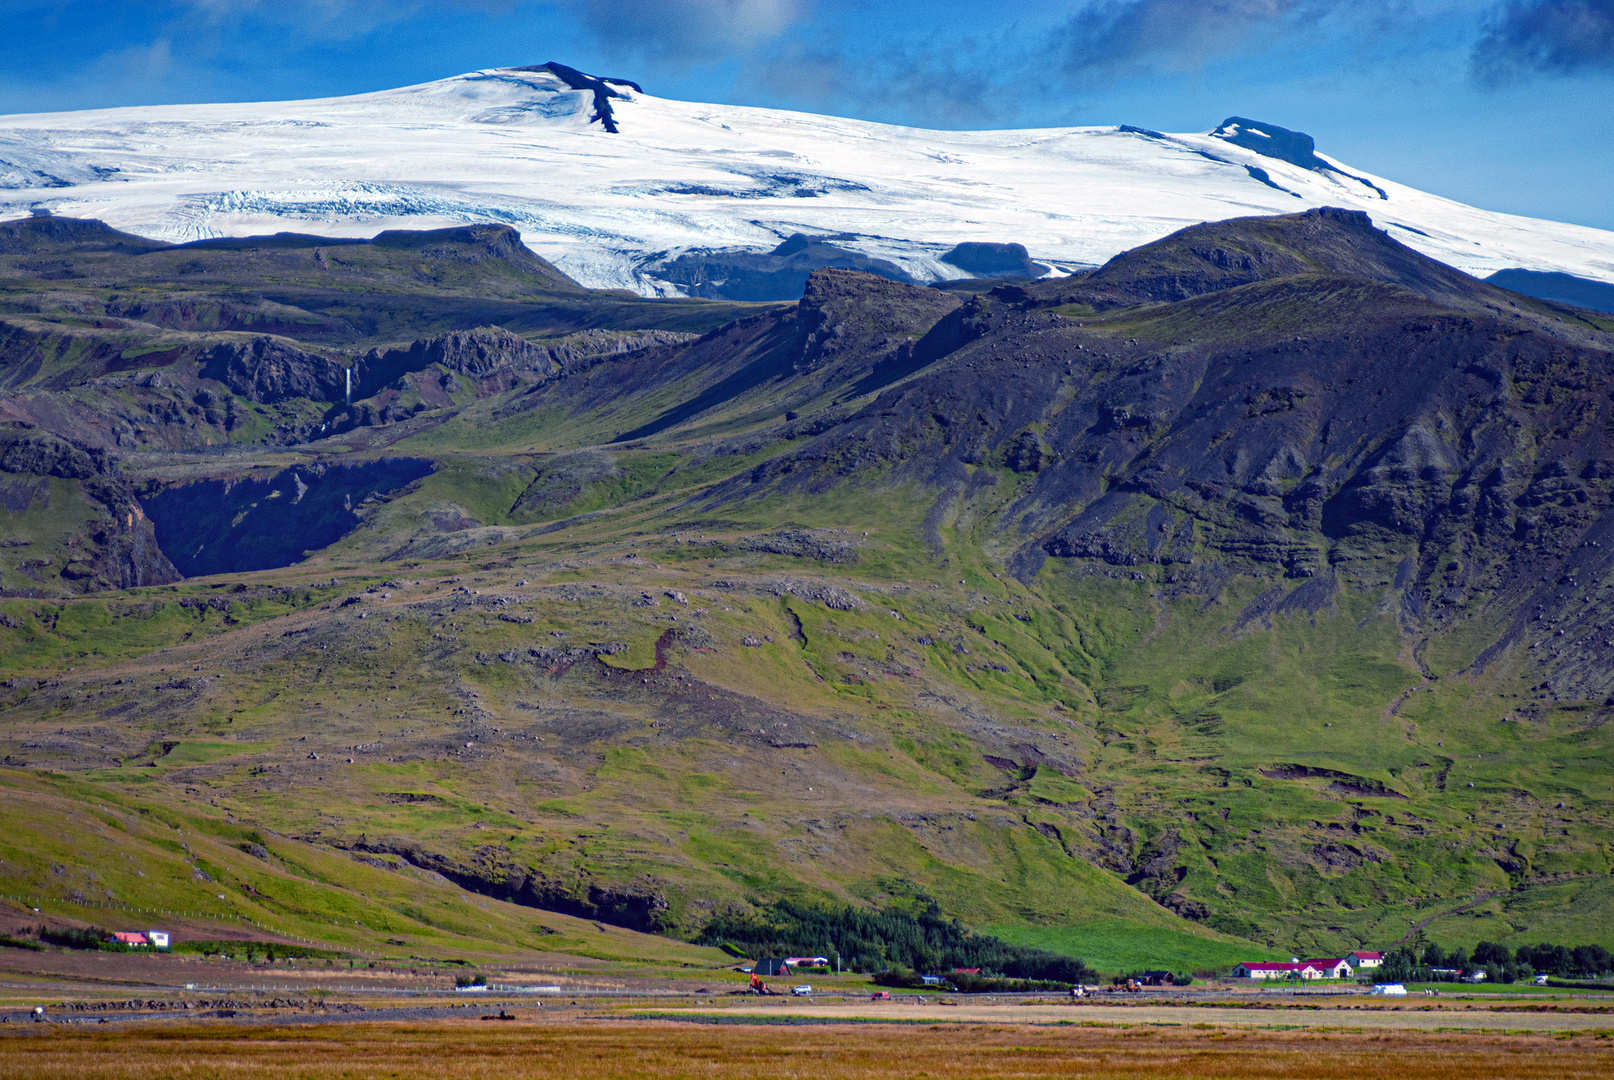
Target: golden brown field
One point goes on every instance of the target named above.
(612, 1050)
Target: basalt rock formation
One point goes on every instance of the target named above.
(265, 370)
(479, 354)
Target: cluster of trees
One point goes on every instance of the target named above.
(875, 941)
(89, 938)
(1431, 963)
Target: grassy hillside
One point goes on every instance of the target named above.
(1121, 615)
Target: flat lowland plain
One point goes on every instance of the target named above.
(1407, 1017)
(618, 1050)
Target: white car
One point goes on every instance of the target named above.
(801, 991)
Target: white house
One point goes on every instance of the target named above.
(1365, 961)
(1306, 969)
(1261, 969)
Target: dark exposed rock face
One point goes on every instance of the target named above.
(479, 353)
(1270, 140)
(117, 548)
(43, 454)
(493, 872)
(994, 260)
(1295, 147)
(780, 274)
(266, 369)
(603, 89)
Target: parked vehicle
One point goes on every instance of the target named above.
(801, 991)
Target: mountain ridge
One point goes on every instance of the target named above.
(1248, 593)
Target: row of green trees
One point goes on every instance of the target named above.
(875, 941)
(92, 937)
(1422, 962)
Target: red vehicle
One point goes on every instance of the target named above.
(880, 995)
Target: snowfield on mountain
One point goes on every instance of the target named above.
(612, 184)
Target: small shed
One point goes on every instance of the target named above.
(771, 968)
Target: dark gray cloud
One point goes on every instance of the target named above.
(1556, 37)
(1114, 35)
(956, 82)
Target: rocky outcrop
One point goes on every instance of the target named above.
(40, 453)
(780, 274)
(479, 354)
(1282, 144)
(493, 872)
(603, 89)
(116, 549)
(825, 545)
(266, 369)
(994, 260)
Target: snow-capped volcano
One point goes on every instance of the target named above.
(609, 182)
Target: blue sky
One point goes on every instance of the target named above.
(1507, 104)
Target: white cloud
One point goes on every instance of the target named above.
(138, 63)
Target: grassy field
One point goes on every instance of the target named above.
(1119, 945)
(627, 1051)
